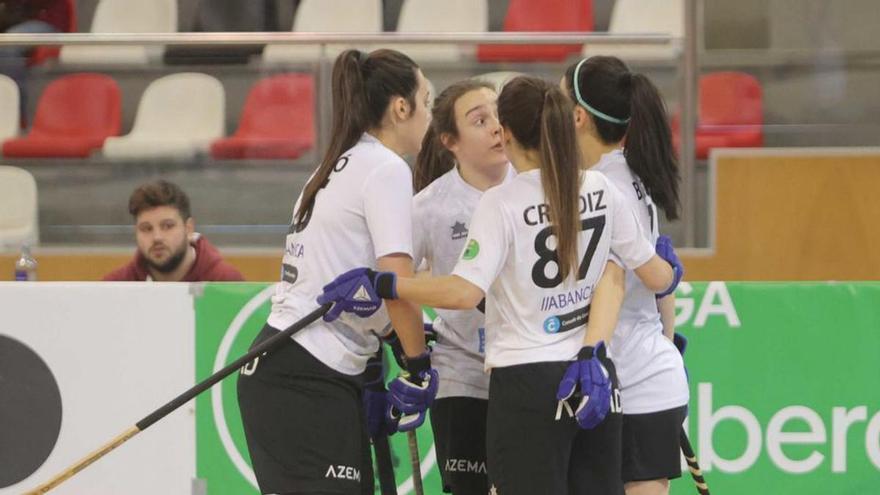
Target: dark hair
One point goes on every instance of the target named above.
(363, 85)
(434, 159)
(538, 115)
(607, 85)
(159, 193)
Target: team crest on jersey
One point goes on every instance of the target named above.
(459, 231)
(471, 251)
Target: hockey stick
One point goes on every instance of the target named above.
(180, 400)
(415, 462)
(691, 458)
(387, 483)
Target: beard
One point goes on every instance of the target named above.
(173, 261)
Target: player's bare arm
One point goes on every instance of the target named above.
(666, 305)
(656, 274)
(605, 307)
(406, 318)
(448, 292)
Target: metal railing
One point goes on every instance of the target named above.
(299, 38)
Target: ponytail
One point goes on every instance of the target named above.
(628, 107)
(561, 176)
(349, 104)
(648, 147)
(539, 116)
(362, 86)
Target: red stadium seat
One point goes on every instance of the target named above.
(277, 121)
(730, 116)
(74, 116)
(547, 15)
(62, 15)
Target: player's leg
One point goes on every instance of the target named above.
(303, 424)
(459, 425)
(527, 449)
(441, 420)
(651, 452)
(597, 453)
(652, 487)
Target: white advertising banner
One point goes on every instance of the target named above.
(82, 362)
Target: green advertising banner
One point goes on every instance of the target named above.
(784, 386)
(228, 317)
(785, 396)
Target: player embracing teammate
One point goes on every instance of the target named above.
(553, 233)
(623, 132)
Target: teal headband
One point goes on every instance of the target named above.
(580, 99)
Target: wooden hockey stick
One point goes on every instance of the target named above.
(415, 462)
(691, 458)
(265, 346)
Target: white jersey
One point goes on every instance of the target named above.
(441, 214)
(649, 366)
(361, 214)
(532, 315)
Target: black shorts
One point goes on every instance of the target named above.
(304, 423)
(459, 425)
(651, 448)
(530, 452)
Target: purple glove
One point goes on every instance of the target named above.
(379, 424)
(591, 379)
(665, 251)
(376, 399)
(359, 291)
(393, 341)
(430, 334)
(412, 393)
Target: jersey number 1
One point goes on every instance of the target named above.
(547, 255)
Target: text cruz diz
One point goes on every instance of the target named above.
(540, 214)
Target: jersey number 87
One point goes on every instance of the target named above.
(547, 255)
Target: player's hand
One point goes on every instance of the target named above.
(359, 291)
(393, 341)
(681, 342)
(666, 251)
(379, 424)
(412, 393)
(588, 376)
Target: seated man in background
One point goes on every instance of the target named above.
(168, 248)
